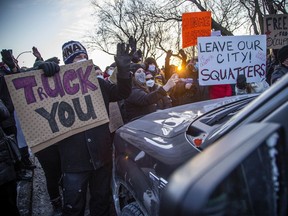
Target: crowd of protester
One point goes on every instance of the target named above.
(84, 160)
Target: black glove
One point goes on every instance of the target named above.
(132, 44)
(8, 58)
(49, 68)
(241, 82)
(137, 56)
(183, 54)
(53, 59)
(37, 54)
(123, 60)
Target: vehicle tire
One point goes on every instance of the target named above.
(132, 209)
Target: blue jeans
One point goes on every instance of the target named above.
(75, 192)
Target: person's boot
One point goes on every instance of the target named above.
(57, 206)
(27, 163)
(25, 159)
(24, 175)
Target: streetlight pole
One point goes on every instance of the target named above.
(23, 53)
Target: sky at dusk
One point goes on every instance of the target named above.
(47, 25)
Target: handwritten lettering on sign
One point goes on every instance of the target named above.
(276, 29)
(222, 59)
(53, 108)
(194, 25)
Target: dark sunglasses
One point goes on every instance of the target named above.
(149, 79)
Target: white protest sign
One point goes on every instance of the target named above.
(221, 59)
(53, 108)
(276, 29)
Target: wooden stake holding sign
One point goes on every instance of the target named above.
(53, 108)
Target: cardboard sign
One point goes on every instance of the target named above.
(221, 59)
(194, 25)
(276, 29)
(116, 119)
(53, 108)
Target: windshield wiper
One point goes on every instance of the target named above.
(222, 114)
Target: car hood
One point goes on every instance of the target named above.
(162, 134)
(173, 121)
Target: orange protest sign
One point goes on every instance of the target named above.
(196, 24)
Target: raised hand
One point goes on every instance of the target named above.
(123, 60)
(182, 54)
(132, 44)
(171, 82)
(36, 53)
(49, 68)
(137, 56)
(8, 59)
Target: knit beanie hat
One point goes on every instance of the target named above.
(134, 67)
(71, 49)
(282, 54)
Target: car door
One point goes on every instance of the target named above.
(243, 173)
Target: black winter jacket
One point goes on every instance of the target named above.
(279, 71)
(91, 149)
(140, 102)
(164, 102)
(7, 171)
(5, 97)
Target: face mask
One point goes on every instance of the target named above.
(110, 72)
(82, 60)
(152, 67)
(150, 83)
(140, 77)
(100, 76)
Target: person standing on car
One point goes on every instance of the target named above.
(282, 68)
(86, 157)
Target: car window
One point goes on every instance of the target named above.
(256, 186)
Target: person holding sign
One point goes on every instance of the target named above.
(11, 125)
(86, 157)
(282, 69)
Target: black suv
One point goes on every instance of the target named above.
(159, 156)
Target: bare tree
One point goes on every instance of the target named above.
(156, 24)
(256, 10)
(121, 19)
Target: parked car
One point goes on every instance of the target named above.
(150, 153)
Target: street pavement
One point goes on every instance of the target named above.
(33, 198)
